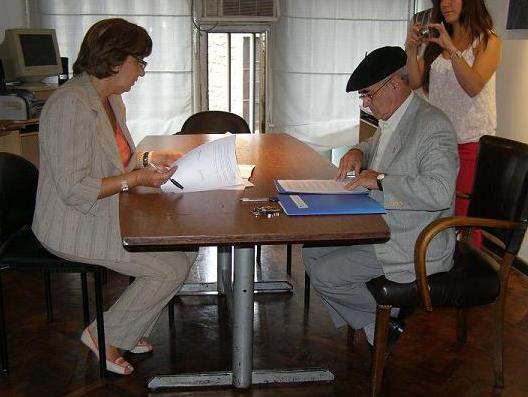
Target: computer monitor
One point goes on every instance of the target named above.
(30, 55)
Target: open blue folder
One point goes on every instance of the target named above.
(329, 204)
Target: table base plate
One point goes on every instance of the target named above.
(259, 377)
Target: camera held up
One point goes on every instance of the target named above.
(426, 32)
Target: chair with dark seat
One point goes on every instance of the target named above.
(499, 207)
(220, 122)
(215, 122)
(20, 250)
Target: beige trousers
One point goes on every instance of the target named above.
(158, 277)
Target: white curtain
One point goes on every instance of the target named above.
(160, 102)
(314, 48)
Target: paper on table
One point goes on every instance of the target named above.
(210, 166)
(246, 170)
(319, 186)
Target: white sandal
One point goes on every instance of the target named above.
(141, 347)
(119, 366)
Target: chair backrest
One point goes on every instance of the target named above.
(501, 184)
(215, 122)
(18, 189)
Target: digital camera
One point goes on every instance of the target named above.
(426, 32)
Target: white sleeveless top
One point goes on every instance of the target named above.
(471, 117)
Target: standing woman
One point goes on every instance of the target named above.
(87, 159)
(457, 72)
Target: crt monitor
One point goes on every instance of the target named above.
(30, 55)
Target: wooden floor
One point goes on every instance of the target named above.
(48, 359)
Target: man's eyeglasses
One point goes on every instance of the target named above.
(370, 95)
(142, 64)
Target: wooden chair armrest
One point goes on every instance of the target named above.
(435, 227)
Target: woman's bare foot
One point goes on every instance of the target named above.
(142, 346)
(114, 361)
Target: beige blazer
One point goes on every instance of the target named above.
(77, 150)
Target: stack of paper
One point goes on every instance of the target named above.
(210, 166)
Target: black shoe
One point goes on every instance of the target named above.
(396, 328)
(404, 313)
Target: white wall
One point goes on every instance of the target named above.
(512, 76)
(13, 15)
(512, 83)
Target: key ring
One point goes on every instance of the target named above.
(266, 211)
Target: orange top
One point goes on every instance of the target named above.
(122, 144)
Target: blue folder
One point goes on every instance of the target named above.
(329, 204)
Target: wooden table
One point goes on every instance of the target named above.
(153, 220)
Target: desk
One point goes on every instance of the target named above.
(152, 220)
(15, 139)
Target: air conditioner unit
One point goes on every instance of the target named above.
(240, 11)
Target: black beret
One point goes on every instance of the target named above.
(377, 65)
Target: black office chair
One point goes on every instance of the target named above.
(215, 122)
(499, 207)
(219, 122)
(20, 250)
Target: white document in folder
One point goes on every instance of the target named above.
(210, 166)
(318, 186)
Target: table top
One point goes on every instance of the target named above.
(154, 220)
(13, 125)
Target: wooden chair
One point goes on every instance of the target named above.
(499, 207)
(219, 122)
(20, 250)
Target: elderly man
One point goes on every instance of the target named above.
(410, 166)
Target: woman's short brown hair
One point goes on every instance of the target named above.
(107, 44)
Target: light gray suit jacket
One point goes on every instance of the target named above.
(421, 167)
(78, 149)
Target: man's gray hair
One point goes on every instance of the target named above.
(403, 74)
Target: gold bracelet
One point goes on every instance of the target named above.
(456, 53)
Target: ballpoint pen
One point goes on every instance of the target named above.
(165, 169)
(178, 185)
(158, 168)
(259, 199)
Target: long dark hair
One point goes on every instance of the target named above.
(474, 17)
(107, 45)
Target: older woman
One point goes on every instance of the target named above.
(87, 158)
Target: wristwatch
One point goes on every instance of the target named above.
(379, 180)
(124, 186)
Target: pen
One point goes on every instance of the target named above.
(257, 199)
(176, 183)
(158, 168)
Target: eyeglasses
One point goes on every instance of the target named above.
(142, 64)
(370, 95)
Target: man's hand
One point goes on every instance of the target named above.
(366, 179)
(351, 161)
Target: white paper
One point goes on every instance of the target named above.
(246, 170)
(320, 186)
(210, 166)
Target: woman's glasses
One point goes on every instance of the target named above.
(142, 64)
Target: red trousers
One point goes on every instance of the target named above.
(467, 153)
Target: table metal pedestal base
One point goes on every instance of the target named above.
(238, 285)
(258, 377)
(261, 287)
